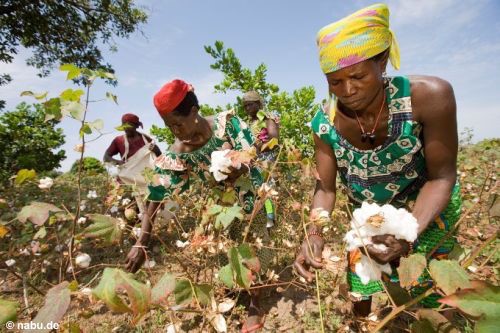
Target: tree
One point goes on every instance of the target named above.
(296, 109)
(90, 165)
(27, 141)
(65, 31)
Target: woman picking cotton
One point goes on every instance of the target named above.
(200, 152)
(265, 128)
(393, 140)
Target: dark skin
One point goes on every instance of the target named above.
(359, 89)
(251, 109)
(132, 134)
(192, 132)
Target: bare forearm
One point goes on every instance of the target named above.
(323, 199)
(431, 201)
(147, 223)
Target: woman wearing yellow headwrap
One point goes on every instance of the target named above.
(393, 140)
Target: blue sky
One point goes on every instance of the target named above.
(458, 40)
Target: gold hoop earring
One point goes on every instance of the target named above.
(196, 121)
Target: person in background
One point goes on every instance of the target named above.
(265, 127)
(127, 145)
(392, 140)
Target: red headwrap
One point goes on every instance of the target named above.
(171, 95)
(131, 118)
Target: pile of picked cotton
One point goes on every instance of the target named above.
(374, 220)
(221, 163)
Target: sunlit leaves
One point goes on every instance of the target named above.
(103, 227)
(8, 311)
(114, 281)
(410, 269)
(74, 109)
(448, 275)
(37, 212)
(56, 304)
(73, 71)
(37, 96)
(24, 175)
(481, 301)
(163, 288)
(71, 95)
(185, 291)
(225, 215)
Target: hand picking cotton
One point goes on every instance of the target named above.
(374, 220)
(221, 163)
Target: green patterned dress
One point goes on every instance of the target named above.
(174, 173)
(392, 173)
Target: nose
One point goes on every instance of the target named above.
(349, 88)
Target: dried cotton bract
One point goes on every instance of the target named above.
(374, 220)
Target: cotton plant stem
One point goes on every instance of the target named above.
(319, 303)
(372, 265)
(495, 249)
(316, 273)
(19, 277)
(397, 310)
(476, 252)
(258, 204)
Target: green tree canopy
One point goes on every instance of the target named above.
(90, 165)
(65, 31)
(27, 141)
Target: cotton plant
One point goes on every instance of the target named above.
(46, 183)
(221, 164)
(374, 220)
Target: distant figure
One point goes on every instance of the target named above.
(127, 145)
(137, 152)
(265, 127)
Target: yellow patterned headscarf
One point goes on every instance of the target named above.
(356, 38)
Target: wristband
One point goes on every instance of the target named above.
(139, 246)
(315, 233)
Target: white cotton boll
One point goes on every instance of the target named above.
(220, 164)
(149, 264)
(368, 272)
(46, 183)
(125, 201)
(10, 262)
(136, 232)
(82, 220)
(83, 260)
(181, 244)
(374, 220)
(92, 194)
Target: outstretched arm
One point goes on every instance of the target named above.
(435, 106)
(324, 198)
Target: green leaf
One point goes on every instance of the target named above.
(38, 96)
(85, 130)
(227, 216)
(433, 321)
(249, 259)
(481, 301)
(97, 124)
(449, 275)
(202, 292)
(71, 95)
(270, 144)
(229, 197)
(56, 304)
(163, 289)
(105, 227)
(72, 70)
(37, 212)
(215, 209)
(27, 93)
(244, 184)
(73, 109)
(242, 274)
(52, 109)
(24, 175)
(410, 269)
(226, 275)
(183, 292)
(40, 233)
(8, 311)
(113, 282)
(123, 127)
(397, 293)
(112, 97)
(458, 253)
